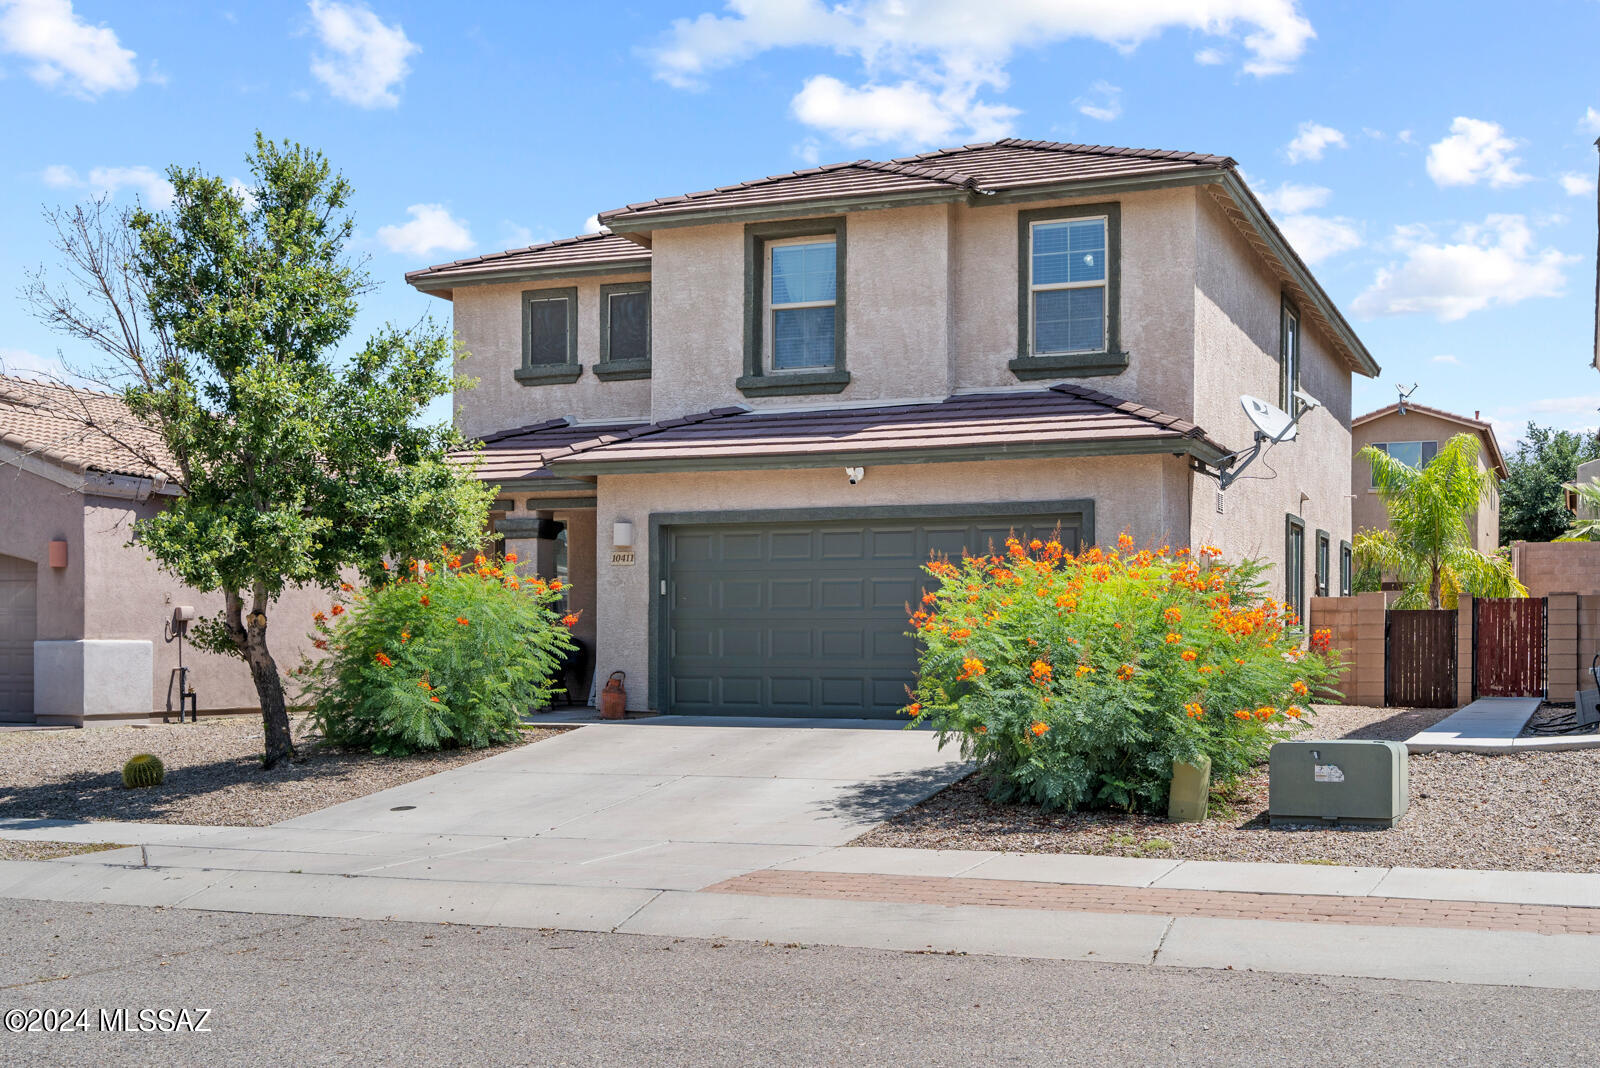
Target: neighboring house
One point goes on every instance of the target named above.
(1414, 437)
(1588, 471)
(752, 412)
(81, 611)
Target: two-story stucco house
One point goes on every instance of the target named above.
(1413, 436)
(751, 413)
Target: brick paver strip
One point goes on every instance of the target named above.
(1150, 901)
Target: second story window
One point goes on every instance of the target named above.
(624, 331)
(549, 336)
(801, 299)
(795, 288)
(1288, 358)
(1417, 454)
(1068, 284)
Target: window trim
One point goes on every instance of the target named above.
(1110, 360)
(542, 374)
(1294, 594)
(1322, 564)
(770, 308)
(607, 369)
(1289, 381)
(758, 379)
(1347, 568)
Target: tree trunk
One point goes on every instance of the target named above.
(1433, 589)
(249, 634)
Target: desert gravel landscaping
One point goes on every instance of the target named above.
(15, 850)
(1525, 812)
(214, 774)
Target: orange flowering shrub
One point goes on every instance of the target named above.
(438, 655)
(1076, 681)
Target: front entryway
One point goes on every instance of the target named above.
(18, 608)
(809, 618)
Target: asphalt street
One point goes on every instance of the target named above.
(286, 990)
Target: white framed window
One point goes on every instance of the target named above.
(1068, 308)
(1415, 454)
(801, 303)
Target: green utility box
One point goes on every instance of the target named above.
(1338, 782)
(1191, 791)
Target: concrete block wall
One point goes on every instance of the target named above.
(1561, 645)
(1557, 566)
(1588, 640)
(1464, 651)
(1357, 626)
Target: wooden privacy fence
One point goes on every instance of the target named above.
(1420, 658)
(1508, 647)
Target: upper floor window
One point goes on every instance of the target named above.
(549, 336)
(1417, 454)
(1068, 288)
(794, 308)
(624, 331)
(1288, 358)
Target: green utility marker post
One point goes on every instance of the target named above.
(1191, 791)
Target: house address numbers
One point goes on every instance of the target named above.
(621, 557)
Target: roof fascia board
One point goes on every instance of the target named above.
(1200, 450)
(488, 277)
(547, 484)
(68, 475)
(1297, 270)
(1131, 184)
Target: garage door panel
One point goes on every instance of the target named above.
(814, 623)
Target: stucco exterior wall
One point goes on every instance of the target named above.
(1367, 506)
(34, 512)
(1157, 277)
(129, 596)
(1237, 300)
(1146, 495)
(488, 323)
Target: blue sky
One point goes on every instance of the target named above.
(1439, 172)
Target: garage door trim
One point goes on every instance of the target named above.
(661, 524)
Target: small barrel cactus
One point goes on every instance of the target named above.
(143, 770)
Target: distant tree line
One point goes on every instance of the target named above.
(1532, 499)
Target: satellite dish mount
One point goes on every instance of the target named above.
(1272, 424)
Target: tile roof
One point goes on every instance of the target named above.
(1055, 420)
(518, 455)
(998, 166)
(1485, 429)
(80, 429)
(584, 252)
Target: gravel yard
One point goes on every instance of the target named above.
(1528, 812)
(214, 774)
(13, 850)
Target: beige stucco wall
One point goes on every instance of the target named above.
(1368, 509)
(35, 511)
(128, 595)
(1237, 300)
(488, 323)
(1145, 495)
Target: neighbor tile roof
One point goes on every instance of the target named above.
(80, 429)
(997, 166)
(996, 424)
(518, 455)
(1484, 429)
(587, 251)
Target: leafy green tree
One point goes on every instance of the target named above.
(1532, 502)
(1428, 543)
(224, 315)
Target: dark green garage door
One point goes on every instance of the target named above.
(809, 619)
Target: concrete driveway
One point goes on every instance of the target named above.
(675, 803)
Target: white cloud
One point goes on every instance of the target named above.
(62, 50)
(238, 188)
(1103, 101)
(150, 186)
(1575, 184)
(1590, 123)
(1451, 360)
(1312, 140)
(1210, 57)
(1488, 263)
(1314, 237)
(431, 229)
(941, 55)
(1404, 137)
(1475, 151)
(1291, 198)
(515, 235)
(809, 151)
(591, 225)
(906, 113)
(20, 363)
(365, 59)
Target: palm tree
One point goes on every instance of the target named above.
(1587, 525)
(1428, 545)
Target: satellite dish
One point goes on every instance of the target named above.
(1270, 420)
